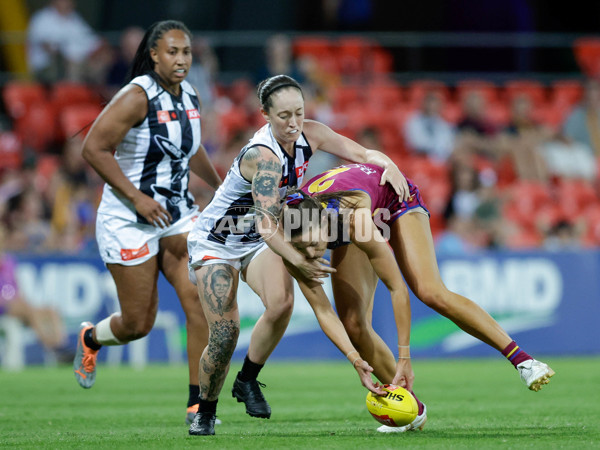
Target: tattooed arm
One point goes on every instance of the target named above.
(263, 168)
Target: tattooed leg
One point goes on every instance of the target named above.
(217, 287)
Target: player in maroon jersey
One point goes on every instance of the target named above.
(373, 235)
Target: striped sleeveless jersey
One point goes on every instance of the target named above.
(155, 154)
(215, 233)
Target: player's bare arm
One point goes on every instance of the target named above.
(333, 328)
(126, 110)
(324, 138)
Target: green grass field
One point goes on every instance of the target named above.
(471, 404)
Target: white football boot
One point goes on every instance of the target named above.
(534, 373)
(416, 424)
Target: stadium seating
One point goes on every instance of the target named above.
(416, 90)
(533, 89)
(78, 118)
(487, 89)
(37, 127)
(19, 96)
(65, 93)
(587, 54)
(565, 93)
(384, 95)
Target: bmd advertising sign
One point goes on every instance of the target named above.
(548, 302)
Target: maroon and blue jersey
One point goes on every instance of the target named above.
(366, 178)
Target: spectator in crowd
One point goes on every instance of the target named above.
(123, 56)
(279, 58)
(455, 239)
(60, 42)
(566, 158)
(563, 235)
(583, 123)
(472, 205)
(44, 321)
(204, 70)
(75, 190)
(522, 140)
(27, 221)
(476, 134)
(427, 133)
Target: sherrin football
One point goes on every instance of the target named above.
(395, 409)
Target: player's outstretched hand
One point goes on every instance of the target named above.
(404, 374)
(397, 180)
(152, 211)
(364, 372)
(315, 269)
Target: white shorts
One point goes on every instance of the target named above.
(130, 243)
(199, 259)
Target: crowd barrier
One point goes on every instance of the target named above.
(548, 302)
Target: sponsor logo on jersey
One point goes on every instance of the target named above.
(127, 254)
(301, 169)
(192, 113)
(163, 116)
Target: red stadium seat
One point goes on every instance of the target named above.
(524, 240)
(498, 113)
(385, 95)
(345, 95)
(452, 112)
(66, 93)
(317, 46)
(19, 96)
(487, 89)
(565, 92)
(416, 90)
(436, 195)
(233, 120)
(574, 196)
(525, 200)
(535, 90)
(37, 128)
(77, 119)
(551, 115)
(240, 90)
(591, 219)
(382, 62)
(353, 54)
(587, 55)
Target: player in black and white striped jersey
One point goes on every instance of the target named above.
(146, 211)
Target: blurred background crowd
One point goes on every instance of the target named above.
(506, 161)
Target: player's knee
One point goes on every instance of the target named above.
(434, 296)
(280, 309)
(355, 328)
(136, 329)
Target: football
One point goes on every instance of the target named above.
(395, 409)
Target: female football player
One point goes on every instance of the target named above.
(372, 234)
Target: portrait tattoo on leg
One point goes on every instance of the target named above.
(218, 280)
